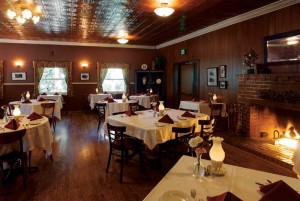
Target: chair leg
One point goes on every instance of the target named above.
(99, 123)
(29, 159)
(122, 163)
(25, 169)
(108, 162)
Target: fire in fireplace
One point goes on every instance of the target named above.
(288, 138)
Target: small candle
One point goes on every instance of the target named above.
(97, 90)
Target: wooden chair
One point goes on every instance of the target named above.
(100, 110)
(207, 129)
(134, 106)
(216, 111)
(48, 111)
(12, 157)
(179, 145)
(121, 144)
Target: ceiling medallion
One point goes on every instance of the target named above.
(164, 10)
(22, 11)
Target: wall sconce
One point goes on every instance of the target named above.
(84, 65)
(19, 64)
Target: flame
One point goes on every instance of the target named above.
(290, 127)
(287, 142)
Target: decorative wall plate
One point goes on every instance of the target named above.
(144, 66)
(158, 81)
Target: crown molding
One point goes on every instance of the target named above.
(16, 83)
(234, 20)
(41, 42)
(79, 83)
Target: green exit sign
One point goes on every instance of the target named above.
(182, 51)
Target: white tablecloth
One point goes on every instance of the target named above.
(240, 181)
(53, 97)
(35, 106)
(118, 106)
(94, 98)
(145, 100)
(142, 126)
(201, 106)
(39, 135)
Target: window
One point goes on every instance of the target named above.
(53, 80)
(114, 80)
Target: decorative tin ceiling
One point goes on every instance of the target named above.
(100, 21)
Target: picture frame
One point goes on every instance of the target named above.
(212, 76)
(18, 76)
(223, 84)
(84, 76)
(222, 71)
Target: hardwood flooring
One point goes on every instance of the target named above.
(78, 170)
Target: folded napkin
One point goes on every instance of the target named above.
(279, 191)
(105, 92)
(26, 101)
(188, 114)
(107, 98)
(41, 99)
(227, 196)
(130, 112)
(194, 99)
(166, 119)
(34, 116)
(56, 93)
(44, 93)
(13, 124)
(111, 100)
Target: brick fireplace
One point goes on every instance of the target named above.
(259, 114)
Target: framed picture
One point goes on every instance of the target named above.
(222, 71)
(84, 76)
(18, 76)
(212, 76)
(223, 84)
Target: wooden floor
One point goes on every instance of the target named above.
(78, 171)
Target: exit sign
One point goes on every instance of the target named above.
(182, 51)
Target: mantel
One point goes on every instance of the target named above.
(274, 104)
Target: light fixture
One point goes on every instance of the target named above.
(164, 10)
(28, 95)
(84, 65)
(22, 11)
(161, 108)
(122, 40)
(215, 98)
(19, 64)
(124, 98)
(16, 112)
(97, 90)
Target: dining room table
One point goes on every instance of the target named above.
(201, 106)
(145, 100)
(38, 134)
(244, 183)
(35, 106)
(51, 97)
(118, 106)
(145, 125)
(95, 98)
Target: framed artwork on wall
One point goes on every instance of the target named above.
(212, 76)
(223, 84)
(18, 76)
(84, 76)
(222, 71)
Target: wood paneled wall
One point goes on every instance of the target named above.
(227, 46)
(10, 53)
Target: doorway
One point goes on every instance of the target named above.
(186, 81)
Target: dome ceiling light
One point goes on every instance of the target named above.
(164, 10)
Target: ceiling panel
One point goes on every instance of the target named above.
(101, 21)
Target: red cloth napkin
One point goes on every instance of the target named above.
(26, 101)
(194, 99)
(44, 93)
(107, 99)
(130, 112)
(34, 116)
(41, 99)
(188, 114)
(279, 191)
(111, 100)
(13, 124)
(56, 93)
(166, 119)
(227, 196)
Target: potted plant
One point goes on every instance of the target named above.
(249, 61)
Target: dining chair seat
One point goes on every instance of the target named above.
(13, 157)
(120, 145)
